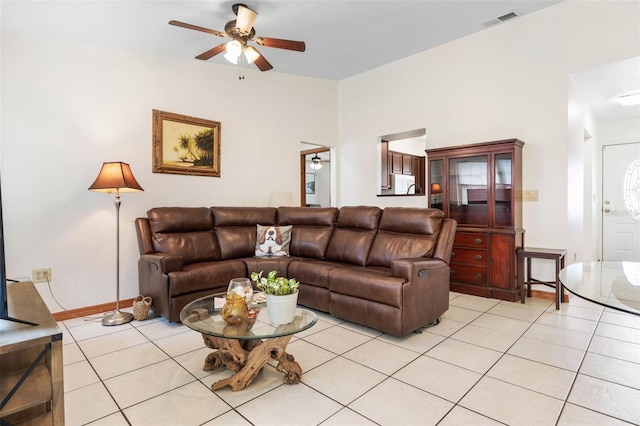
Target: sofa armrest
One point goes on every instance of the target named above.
(153, 280)
(425, 294)
(411, 269)
(164, 263)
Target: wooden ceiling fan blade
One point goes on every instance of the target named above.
(197, 28)
(262, 63)
(212, 52)
(279, 43)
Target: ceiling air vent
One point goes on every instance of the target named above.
(500, 19)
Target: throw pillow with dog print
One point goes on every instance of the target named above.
(273, 240)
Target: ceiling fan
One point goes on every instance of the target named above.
(316, 162)
(241, 32)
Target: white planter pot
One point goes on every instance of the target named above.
(282, 309)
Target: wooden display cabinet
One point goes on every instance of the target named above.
(480, 186)
(30, 357)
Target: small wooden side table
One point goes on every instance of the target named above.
(529, 253)
(31, 367)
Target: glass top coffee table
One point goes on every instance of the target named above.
(612, 284)
(247, 347)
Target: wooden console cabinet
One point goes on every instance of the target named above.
(480, 186)
(30, 356)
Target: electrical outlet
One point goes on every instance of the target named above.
(41, 275)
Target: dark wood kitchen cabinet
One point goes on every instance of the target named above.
(480, 186)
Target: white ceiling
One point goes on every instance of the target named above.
(343, 38)
(602, 85)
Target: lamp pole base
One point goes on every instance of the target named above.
(117, 318)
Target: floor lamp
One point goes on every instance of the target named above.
(116, 177)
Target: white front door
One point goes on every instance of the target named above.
(621, 202)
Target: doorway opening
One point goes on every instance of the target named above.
(315, 176)
(402, 164)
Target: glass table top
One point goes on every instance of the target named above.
(203, 315)
(612, 284)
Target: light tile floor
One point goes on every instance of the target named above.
(488, 362)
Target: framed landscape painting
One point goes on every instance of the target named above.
(185, 145)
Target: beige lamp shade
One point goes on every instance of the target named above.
(115, 177)
(246, 18)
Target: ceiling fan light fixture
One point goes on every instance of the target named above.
(241, 31)
(251, 53)
(316, 163)
(246, 18)
(628, 100)
(231, 58)
(234, 50)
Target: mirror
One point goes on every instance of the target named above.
(402, 164)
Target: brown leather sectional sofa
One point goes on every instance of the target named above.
(381, 268)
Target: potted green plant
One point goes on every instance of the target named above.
(281, 294)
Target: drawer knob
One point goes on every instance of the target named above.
(478, 257)
(477, 241)
(478, 275)
(453, 272)
(453, 254)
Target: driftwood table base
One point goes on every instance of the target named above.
(247, 358)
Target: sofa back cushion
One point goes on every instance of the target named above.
(312, 229)
(405, 232)
(355, 230)
(236, 231)
(184, 231)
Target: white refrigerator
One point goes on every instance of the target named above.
(402, 184)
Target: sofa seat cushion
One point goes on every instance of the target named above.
(370, 283)
(266, 264)
(313, 272)
(205, 276)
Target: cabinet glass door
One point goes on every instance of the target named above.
(468, 183)
(436, 180)
(503, 192)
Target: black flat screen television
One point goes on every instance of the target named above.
(4, 308)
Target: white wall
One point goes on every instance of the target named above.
(68, 108)
(581, 202)
(510, 81)
(620, 131)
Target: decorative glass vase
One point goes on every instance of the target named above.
(235, 310)
(241, 287)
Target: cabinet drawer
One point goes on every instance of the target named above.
(465, 255)
(471, 240)
(468, 274)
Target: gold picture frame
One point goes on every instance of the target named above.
(185, 145)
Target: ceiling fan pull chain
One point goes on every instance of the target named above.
(241, 64)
